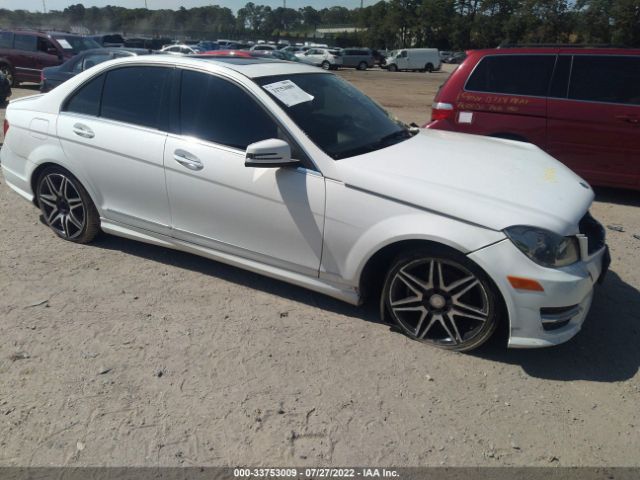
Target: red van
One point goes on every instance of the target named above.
(581, 105)
(24, 53)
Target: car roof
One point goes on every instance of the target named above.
(253, 67)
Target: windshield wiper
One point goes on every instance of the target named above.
(392, 137)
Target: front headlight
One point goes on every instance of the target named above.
(544, 247)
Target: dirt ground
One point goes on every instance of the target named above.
(119, 353)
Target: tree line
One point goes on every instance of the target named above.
(443, 24)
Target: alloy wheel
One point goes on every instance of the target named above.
(62, 206)
(439, 301)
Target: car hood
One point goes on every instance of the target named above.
(490, 182)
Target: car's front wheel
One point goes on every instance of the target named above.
(66, 206)
(442, 299)
(326, 65)
(363, 66)
(393, 68)
(8, 73)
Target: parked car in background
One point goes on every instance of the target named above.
(293, 49)
(275, 54)
(321, 57)
(208, 46)
(420, 59)
(360, 58)
(264, 47)
(444, 54)
(455, 58)
(24, 53)
(148, 43)
(109, 40)
(182, 49)
(53, 76)
(580, 105)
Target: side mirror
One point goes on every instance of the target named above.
(269, 153)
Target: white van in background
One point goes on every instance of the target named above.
(423, 59)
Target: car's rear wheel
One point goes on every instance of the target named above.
(66, 206)
(363, 66)
(429, 67)
(441, 298)
(393, 68)
(6, 70)
(326, 65)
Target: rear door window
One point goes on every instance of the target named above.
(25, 42)
(610, 79)
(513, 75)
(136, 95)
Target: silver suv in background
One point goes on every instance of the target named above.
(360, 58)
(328, 59)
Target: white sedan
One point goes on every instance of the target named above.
(292, 172)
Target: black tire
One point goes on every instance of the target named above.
(428, 67)
(8, 72)
(325, 65)
(393, 68)
(362, 66)
(66, 206)
(440, 297)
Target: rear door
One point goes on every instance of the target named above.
(506, 96)
(594, 122)
(113, 131)
(46, 54)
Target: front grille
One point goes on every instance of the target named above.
(594, 232)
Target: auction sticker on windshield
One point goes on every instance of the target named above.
(64, 44)
(288, 92)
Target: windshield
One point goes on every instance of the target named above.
(336, 116)
(75, 44)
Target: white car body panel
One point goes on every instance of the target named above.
(315, 227)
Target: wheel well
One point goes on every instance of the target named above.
(374, 272)
(36, 175)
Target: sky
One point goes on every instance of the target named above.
(36, 5)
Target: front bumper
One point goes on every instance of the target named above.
(568, 290)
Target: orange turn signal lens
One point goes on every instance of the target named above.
(520, 283)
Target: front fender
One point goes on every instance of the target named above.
(360, 224)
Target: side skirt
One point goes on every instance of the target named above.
(348, 295)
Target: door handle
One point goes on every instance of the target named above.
(187, 160)
(83, 131)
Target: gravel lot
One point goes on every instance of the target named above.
(120, 353)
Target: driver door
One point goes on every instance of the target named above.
(271, 215)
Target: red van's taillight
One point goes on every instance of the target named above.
(5, 127)
(442, 111)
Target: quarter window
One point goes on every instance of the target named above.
(513, 74)
(135, 95)
(86, 100)
(612, 79)
(218, 111)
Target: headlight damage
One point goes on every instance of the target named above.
(544, 247)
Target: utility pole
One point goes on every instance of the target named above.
(44, 6)
(361, 4)
(284, 3)
(145, 5)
